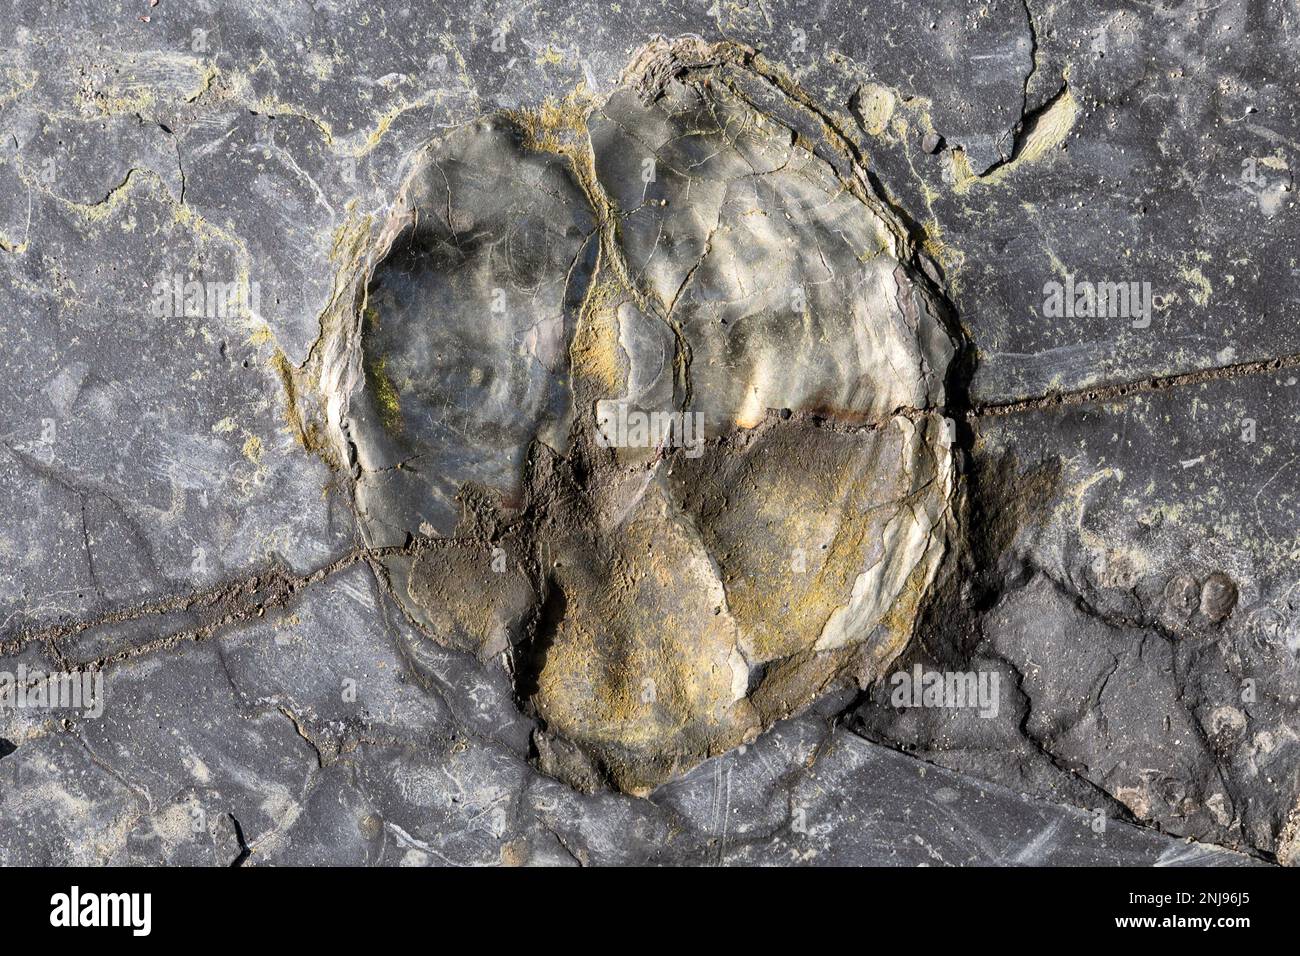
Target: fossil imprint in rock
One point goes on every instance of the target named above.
(659, 398)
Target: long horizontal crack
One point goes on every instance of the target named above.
(227, 604)
(1102, 393)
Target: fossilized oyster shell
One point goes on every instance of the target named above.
(659, 397)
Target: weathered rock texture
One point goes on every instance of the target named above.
(366, 582)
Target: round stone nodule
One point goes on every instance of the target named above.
(1218, 597)
(1182, 595)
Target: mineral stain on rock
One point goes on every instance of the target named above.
(673, 254)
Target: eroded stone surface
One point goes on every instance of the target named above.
(1144, 628)
(1025, 141)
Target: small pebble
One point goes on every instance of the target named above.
(1182, 594)
(1218, 596)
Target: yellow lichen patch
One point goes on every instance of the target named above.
(387, 399)
(951, 259)
(549, 57)
(349, 243)
(261, 335)
(140, 81)
(384, 121)
(269, 106)
(1201, 289)
(594, 353)
(99, 211)
(1288, 842)
(208, 78)
(1044, 133)
(321, 66)
(252, 449)
(558, 125)
(306, 432)
(130, 102)
(14, 82)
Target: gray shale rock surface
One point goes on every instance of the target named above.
(446, 436)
